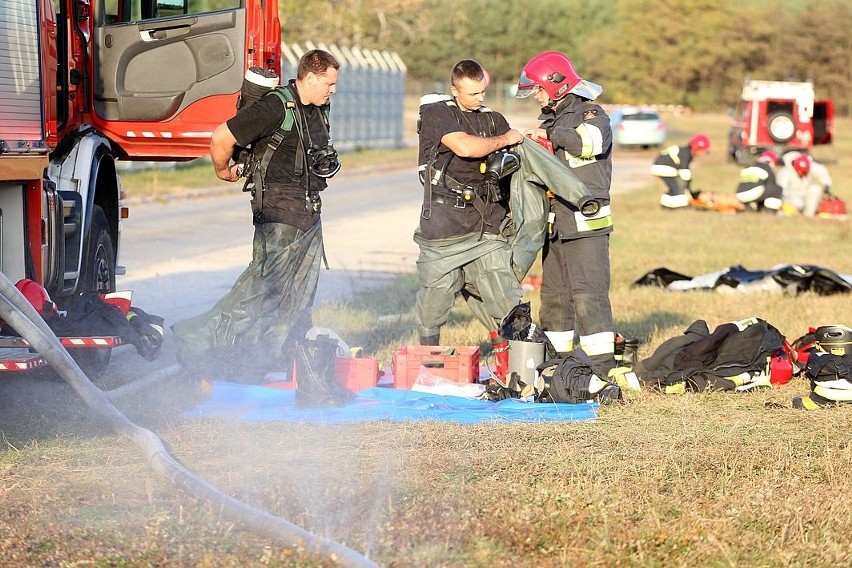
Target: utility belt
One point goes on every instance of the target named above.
(460, 196)
(313, 202)
(443, 190)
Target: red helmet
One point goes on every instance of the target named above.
(802, 165)
(769, 156)
(36, 295)
(554, 72)
(699, 142)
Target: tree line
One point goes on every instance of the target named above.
(690, 52)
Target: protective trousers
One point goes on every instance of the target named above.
(477, 268)
(676, 193)
(575, 296)
(251, 329)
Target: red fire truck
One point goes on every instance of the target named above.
(85, 83)
(778, 116)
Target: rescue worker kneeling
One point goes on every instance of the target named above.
(672, 166)
(757, 188)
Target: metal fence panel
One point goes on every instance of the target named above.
(367, 109)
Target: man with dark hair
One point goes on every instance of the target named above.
(462, 248)
(254, 327)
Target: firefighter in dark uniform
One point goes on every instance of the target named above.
(462, 250)
(758, 189)
(254, 327)
(575, 305)
(672, 166)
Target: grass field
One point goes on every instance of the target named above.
(711, 479)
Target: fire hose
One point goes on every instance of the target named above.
(23, 318)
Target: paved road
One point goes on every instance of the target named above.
(181, 256)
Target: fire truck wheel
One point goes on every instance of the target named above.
(98, 270)
(781, 126)
(98, 275)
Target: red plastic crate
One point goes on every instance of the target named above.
(457, 363)
(358, 373)
(355, 373)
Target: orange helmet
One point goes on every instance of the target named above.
(699, 142)
(769, 156)
(554, 72)
(802, 165)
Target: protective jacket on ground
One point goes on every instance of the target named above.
(785, 278)
(571, 379)
(830, 378)
(736, 356)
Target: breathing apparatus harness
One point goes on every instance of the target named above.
(320, 161)
(443, 189)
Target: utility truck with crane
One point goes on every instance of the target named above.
(84, 84)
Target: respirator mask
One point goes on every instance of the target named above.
(323, 162)
(498, 166)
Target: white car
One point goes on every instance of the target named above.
(638, 127)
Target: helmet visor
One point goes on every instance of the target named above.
(526, 87)
(587, 89)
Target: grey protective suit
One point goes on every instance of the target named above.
(521, 238)
(248, 329)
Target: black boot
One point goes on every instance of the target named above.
(626, 351)
(430, 340)
(316, 379)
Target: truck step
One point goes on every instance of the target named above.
(21, 361)
(75, 342)
(15, 355)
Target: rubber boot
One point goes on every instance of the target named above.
(430, 340)
(631, 352)
(626, 351)
(316, 379)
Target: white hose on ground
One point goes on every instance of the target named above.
(19, 313)
(146, 381)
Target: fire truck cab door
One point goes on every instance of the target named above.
(166, 72)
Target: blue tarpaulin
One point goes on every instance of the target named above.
(252, 403)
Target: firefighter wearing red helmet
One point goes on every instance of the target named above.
(672, 166)
(757, 188)
(575, 306)
(802, 165)
(804, 182)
